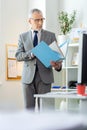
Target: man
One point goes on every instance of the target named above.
(36, 78)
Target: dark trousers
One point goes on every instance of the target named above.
(36, 87)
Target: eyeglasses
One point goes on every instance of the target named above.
(38, 20)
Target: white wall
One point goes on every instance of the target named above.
(0, 20)
(13, 20)
(81, 8)
(51, 15)
(37, 4)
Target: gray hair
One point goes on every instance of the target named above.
(34, 10)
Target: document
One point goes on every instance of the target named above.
(46, 54)
(54, 46)
(64, 47)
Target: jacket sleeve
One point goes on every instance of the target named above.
(21, 54)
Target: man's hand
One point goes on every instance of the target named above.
(57, 65)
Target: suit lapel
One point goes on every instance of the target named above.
(29, 39)
(42, 35)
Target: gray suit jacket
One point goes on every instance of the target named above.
(25, 44)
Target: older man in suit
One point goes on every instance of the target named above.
(36, 78)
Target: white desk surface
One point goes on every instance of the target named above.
(71, 95)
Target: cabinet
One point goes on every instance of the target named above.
(70, 68)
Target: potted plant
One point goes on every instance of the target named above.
(66, 21)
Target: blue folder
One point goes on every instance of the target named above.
(45, 54)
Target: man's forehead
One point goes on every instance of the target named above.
(36, 14)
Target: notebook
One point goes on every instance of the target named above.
(61, 48)
(46, 53)
(64, 47)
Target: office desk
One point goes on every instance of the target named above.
(74, 102)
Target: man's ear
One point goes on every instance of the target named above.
(29, 21)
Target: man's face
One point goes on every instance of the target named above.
(36, 21)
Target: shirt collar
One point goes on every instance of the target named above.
(39, 31)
